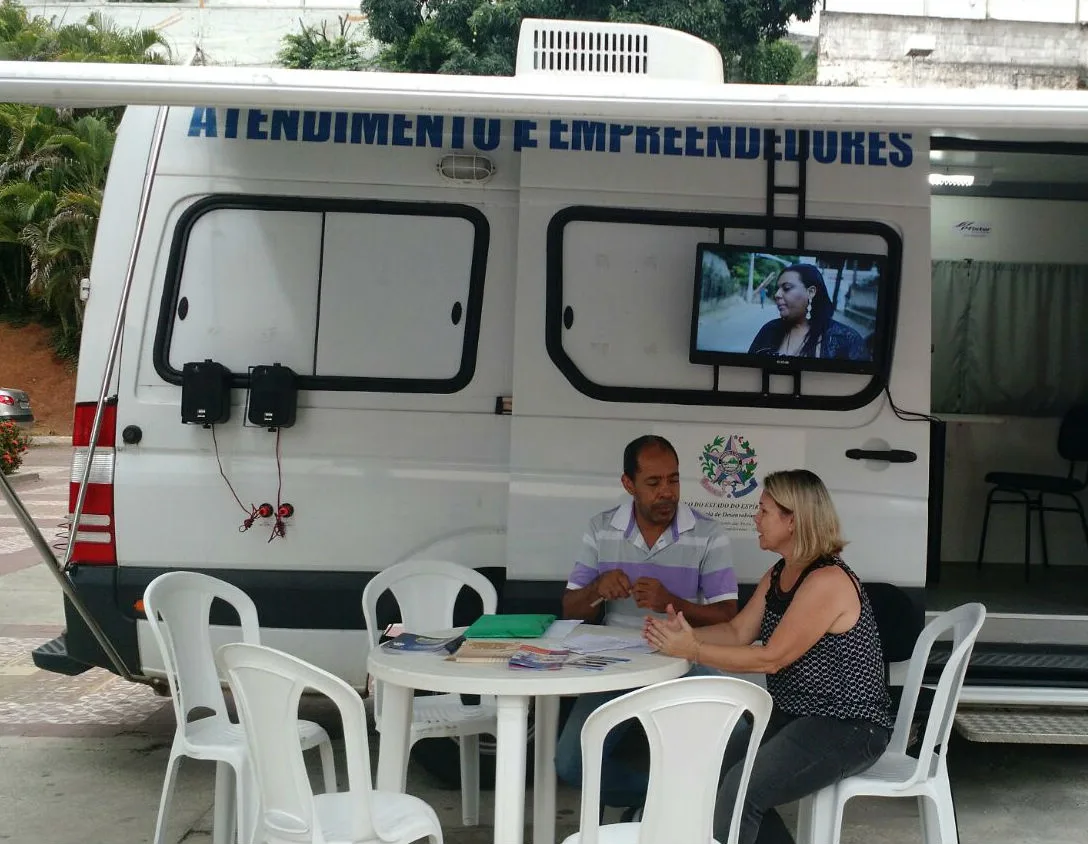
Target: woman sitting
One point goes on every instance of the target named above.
(820, 652)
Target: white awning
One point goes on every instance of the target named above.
(89, 85)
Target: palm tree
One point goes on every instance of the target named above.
(57, 222)
(30, 163)
(97, 39)
(100, 39)
(53, 165)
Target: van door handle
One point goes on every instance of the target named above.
(891, 455)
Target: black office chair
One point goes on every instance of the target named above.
(1030, 490)
(899, 621)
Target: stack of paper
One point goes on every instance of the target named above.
(592, 643)
(485, 650)
(561, 629)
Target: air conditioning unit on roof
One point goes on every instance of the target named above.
(581, 48)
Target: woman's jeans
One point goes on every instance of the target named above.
(798, 757)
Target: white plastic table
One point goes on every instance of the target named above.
(405, 672)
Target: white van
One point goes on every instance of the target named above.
(484, 288)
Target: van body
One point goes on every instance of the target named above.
(484, 289)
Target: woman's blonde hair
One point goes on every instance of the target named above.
(816, 530)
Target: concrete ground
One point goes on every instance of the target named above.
(83, 757)
(62, 784)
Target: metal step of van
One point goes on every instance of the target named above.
(53, 656)
(1021, 693)
(1009, 664)
(1023, 725)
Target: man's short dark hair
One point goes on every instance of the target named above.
(637, 446)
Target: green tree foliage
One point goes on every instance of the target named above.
(480, 36)
(725, 279)
(53, 165)
(769, 62)
(97, 39)
(804, 72)
(315, 48)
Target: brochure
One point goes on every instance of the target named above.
(596, 662)
(539, 659)
(415, 643)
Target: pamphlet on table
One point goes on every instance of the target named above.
(415, 643)
(535, 658)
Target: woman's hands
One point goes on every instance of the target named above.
(672, 635)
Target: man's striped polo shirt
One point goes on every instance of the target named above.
(692, 559)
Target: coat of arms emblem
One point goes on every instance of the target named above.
(729, 467)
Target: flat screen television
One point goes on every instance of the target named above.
(789, 310)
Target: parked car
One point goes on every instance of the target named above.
(15, 407)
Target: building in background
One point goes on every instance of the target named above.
(954, 43)
(1045, 11)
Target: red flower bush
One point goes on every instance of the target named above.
(13, 445)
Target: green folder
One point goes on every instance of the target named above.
(510, 626)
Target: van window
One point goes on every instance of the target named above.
(390, 287)
(250, 284)
(619, 308)
(374, 296)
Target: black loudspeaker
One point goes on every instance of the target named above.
(205, 393)
(273, 396)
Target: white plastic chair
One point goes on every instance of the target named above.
(177, 605)
(267, 685)
(688, 723)
(425, 591)
(895, 774)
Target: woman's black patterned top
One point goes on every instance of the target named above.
(842, 675)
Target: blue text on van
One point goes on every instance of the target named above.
(484, 134)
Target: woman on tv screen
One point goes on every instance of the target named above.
(804, 327)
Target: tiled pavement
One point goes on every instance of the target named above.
(96, 703)
(38, 703)
(47, 501)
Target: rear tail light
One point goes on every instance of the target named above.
(95, 540)
(7, 400)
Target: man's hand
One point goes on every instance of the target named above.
(651, 595)
(613, 585)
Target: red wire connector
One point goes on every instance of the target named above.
(279, 529)
(247, 523)
(265, 511)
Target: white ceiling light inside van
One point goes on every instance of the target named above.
(951, 180)
(961, 177)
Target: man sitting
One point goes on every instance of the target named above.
(637, 559)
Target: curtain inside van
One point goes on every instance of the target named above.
(1009, 339)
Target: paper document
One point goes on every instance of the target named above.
(561, 629)
(591, 643)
